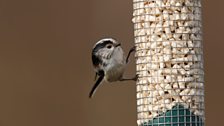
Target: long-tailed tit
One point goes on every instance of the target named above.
(109, 62)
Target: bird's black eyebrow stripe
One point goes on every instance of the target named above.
(101, 45)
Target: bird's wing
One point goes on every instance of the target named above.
(94, 88)
(96, 60)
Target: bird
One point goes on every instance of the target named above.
(109, 62)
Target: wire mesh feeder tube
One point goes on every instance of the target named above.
(168, 39)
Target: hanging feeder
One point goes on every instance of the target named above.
(169, 59)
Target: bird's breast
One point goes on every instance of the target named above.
(115, 73)
(115, 66)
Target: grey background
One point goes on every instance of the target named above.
(46, 71)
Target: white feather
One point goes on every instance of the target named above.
(116, 65)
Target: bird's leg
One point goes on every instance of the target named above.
(128, 79)
(129, 53)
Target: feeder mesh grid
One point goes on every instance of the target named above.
(169, 58)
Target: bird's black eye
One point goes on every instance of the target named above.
(109, 46)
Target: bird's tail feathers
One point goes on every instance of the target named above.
(96, 85)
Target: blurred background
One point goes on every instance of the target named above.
(46, 71)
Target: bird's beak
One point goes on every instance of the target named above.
(119, 44)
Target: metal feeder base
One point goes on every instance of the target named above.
(177, 116)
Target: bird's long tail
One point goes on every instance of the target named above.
(96, 85)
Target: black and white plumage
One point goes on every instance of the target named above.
(109, 62)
